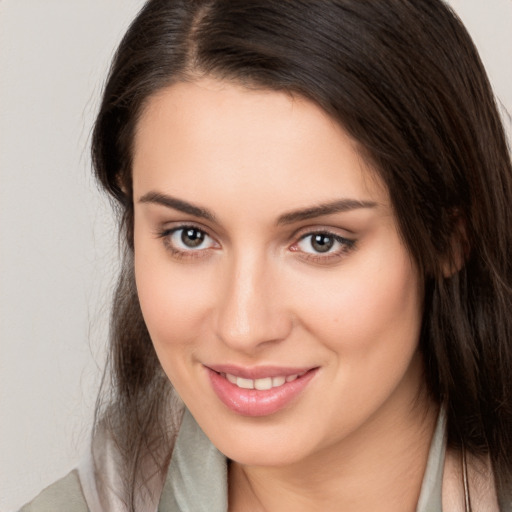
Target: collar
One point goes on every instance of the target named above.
(197, 480)
(431, 489)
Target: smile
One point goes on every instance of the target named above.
(258, 392)
(261, 384)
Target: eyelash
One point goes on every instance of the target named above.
(345, 245)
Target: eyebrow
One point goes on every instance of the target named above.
(177, 204)
(339, 206)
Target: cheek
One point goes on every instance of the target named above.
(171, 310)
(169, 298)
(370, 325)
(373, 312)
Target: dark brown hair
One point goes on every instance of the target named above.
(405, 80)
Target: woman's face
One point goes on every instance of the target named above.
(280, 299)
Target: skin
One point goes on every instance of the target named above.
(256, 292)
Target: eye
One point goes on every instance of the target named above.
(187, 239)
(323, 244)
(318, 242)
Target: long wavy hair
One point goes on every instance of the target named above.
(405, 80)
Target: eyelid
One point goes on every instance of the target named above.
(169, 225)
(304, 231)
(164, 228)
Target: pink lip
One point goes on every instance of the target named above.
(253, 402)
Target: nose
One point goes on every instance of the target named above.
(251, 308)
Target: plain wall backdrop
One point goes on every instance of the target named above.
(58, 254)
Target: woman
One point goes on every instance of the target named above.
(313, 308)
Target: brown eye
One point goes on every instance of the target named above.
(192, 237)
(188, 239)
(322, 242)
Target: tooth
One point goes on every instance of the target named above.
(263, 384)
(231, 378)
(260, 384)
(278, 381)
(244, 383)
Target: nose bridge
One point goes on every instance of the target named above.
(249, 312)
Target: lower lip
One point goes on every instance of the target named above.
(253, 402)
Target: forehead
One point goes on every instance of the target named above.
(210, 138)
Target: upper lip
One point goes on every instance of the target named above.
(259, 372)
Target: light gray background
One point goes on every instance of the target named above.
(57, 239)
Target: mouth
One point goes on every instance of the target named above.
(261, 391)
(261, 384)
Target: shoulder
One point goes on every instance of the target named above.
(64, 495)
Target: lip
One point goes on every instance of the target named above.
(253, 402)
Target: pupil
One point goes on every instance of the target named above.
(322, 243)
(192, 237)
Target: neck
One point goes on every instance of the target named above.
(380, 467)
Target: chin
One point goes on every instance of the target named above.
(262, 445)
(264, 456)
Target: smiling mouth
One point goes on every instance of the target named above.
(262, 384)
(258, 391)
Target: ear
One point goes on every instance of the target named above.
(458, 253)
